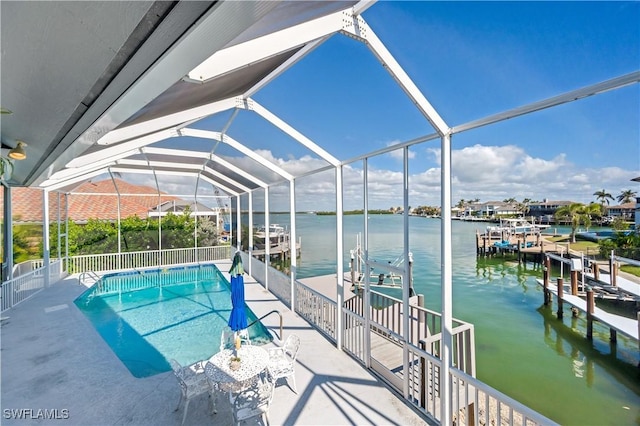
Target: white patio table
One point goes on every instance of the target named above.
(253, 360)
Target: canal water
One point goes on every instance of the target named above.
(522, 349)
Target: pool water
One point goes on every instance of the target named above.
(148, 317)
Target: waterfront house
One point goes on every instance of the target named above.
(626, 211)
(131, 88)
(492, 209)
(546, 209)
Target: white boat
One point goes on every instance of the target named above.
(277, 234)
(516, 226)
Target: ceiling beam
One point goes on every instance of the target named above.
(574, 95)
(259, 49)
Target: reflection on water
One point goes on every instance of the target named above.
(495, 270)
(554, 338)
(569, 341)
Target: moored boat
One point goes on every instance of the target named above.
(516, 226)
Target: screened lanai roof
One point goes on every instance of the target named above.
(167, 91)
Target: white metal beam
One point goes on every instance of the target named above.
(339, 256)
(292, 243)
(261, 48)
(226, 139)
(406, 286)
(212, 157)
(219, 185)
(74, 172)
(360, 30)
(308, 48)
(362, 5)
(267, 246)
(182, 166)
(123, 149)
(168, 121)
(574, 95)
(46, 243)
(226, 178)
(299, 137)
(446, 283)
(85, 176)
(121, 169)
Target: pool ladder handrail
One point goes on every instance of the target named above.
(275, 311)
(90, 274)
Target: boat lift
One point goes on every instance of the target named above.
(380, 274)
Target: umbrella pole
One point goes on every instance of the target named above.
(236, 343)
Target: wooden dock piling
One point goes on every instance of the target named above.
(560, 296)
(590, 308)
(574, 283)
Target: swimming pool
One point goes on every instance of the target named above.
(148, 317)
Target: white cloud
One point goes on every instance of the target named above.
(479, 171)
(398, 154)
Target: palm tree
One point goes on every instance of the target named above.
(522, 208)
(509, 200)
(626, 196)
(603, 196)
(578, 214)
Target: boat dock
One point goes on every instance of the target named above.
(627, 326)
(582, 297)
(280, 250)
(512, 235)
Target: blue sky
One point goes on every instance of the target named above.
(470, 60)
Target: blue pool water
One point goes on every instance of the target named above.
(148, 317)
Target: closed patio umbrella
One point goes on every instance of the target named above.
(238, 317)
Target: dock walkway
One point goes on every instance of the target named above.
(626, 285)
(627, 326)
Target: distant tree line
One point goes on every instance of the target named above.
(353, 212)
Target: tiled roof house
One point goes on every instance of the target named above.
(90, 200)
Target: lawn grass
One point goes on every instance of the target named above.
(630, 269)
(589, 248)
(585, 246)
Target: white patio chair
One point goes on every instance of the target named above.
(244, 336)
(193, 382)
(282, 361)
(254, 401)
(227, 338)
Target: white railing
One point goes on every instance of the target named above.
(472, 401)
(27, 266)
(317, 309)
(146, 259)
(278, 282)
(386, 314)
(29, 283)
(23, 287)
(142, 279)
(626, 260)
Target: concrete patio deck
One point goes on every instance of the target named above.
(52, 358)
